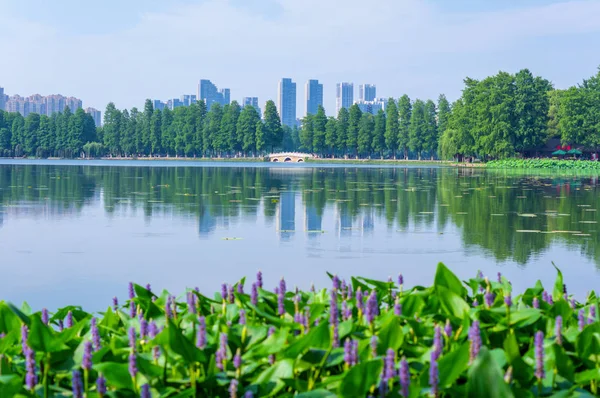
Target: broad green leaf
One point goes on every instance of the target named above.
(390, 336)
(41, 338)
(452, 304)
(445, 278)
(486, 378)
(8, 320)
(588, 342)
(10, 385)
(558, 285)
(358, 380)
(116, 374)
(452, 365)
(521, 371)
(182, 346)
(316, 394)
(564, 365)
(524, 317)
(270, 380)
(24, 318)
(318, 337)
(271, 345)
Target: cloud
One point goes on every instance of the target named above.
(249, 46)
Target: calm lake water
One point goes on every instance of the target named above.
(77, 232)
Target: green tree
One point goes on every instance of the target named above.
(144, 142)
(404, 116)
(379, 141)
(430, 134)
(273, 133)
(320, 122)
(168, 133)
(17, 134)
(364, 136)
(532, 105)
(112, 129)
(30, 134)
(331, 130)
(128, 122)
(353, 127)
(307, 133)
(391, 127)
(246, 128)
(443, 114)
(212, 128)
(229, 125)
(156, 132)
(417, 128)
(260, 136)
(343, 121)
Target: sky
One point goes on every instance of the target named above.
(126, 51)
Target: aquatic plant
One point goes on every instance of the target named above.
(390, 340)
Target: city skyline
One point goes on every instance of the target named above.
(452, 41)
(36, 103)
(313, 94)
(286, 102)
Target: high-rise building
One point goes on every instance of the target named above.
(367, 92)
(96, 115)
(314, 96)
(372, 107)
(252, 101)
(344, 96)
(73, 103)
(188, 100)
(286, 101)
(158, 105)
(174, 103)
(2, 99)
(208, 92)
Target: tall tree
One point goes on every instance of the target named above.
(144, 141)
(30, 134)
(417, 128)
(331, 135)
(320, 122)
(112, 129)
(364, 136)
(128, 122)
(212, 128)
(246, 128)
(273, 132)
(391, 127)
(443, 114)
(156, 133)
(168, 133)
(379, 142)
(260, 136)
(343, 121)
(430, 135)
(531, 110)
(353, 127)
(229, 126)
(404, 116)
(307, 133)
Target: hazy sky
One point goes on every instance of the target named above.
(128, 50)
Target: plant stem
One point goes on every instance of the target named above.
(45, 377)
(85, 382)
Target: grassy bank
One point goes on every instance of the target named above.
(365, 337)
(547, 164)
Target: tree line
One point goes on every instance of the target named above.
(501, 116)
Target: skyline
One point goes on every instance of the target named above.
(466, 38)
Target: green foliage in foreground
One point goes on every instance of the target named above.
(286, 344)
(544, 164)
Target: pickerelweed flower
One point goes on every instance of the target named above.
(69, 321)
(592, 314)
(191, 302)
(77, 384)
(131, 291)
(489, 298)
(475, 303)
(230, 296)
(259, 279)
(397, 307)
(475, 339)
(145, 393)
(270, 333)
(280, 303)
(115, 304)
(448, 328)
(224, 291)
(24, 335)
(201, 333)
(374, 346)
(237, 359)
(282, 288)
(359, 300)
(343, 287)
(345, 309)
(581, 319)
(233, 387)
(254, 294)
(61, 325)
(221, 355)
(31, 376)
(434, 376)
(573, 303)
(336, 336)
(536, 303)
(349, 292)
(95, 334)
(400, 280)
(499, 277)
(479, 274)
(242, 320)
(438, 345)
(539, 355)
(336, 282)
(558, 329)
(86, 363)
(168, 310)
(372, 307)
(153, 332)
(132, 365)
(132, 337)
(143, 329)
(348, 352)
(240, 288)
(101, 385)
(132, 309)
(404, 375)
(550, 300)
(545, 295)
(508, 300)
(45, 316)
(389, 366)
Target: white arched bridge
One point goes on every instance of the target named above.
(289, 157)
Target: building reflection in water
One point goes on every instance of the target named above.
(286, 215)
(344, 221)
(313, 221)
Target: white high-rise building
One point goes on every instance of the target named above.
(344, 96)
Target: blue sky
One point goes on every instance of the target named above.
(126, 51)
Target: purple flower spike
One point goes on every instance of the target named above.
(86, 363)
(545, 296)
(282, 288)
(508, 300)
(550, 300)
(132, 338)
(201, 333)
(233, 387)
(536, 303)
(437, 342)
(333, 308)
(448, 329)
(152, 332)
(434, 376)
(132, 365)
(230, 296)
(349, 292)
(343, 287)
(24, 335)
(499, 277)
(45, 316)
(191, 302)
(400, 280)
(101, 385)
(558, 330)
(221, 355)
(69, 321)
(61, 326)
(344, 310)
(593, 312)
(397, 307)
(270, 333)
(280, 303)
(132, 309)
(237, 359)
(115, 304)
(336, 282)
(479, 274)
(374, 346)
(475, 339)
(131, 291)
(573, 303)
(31, 377)
(359, 300)
(143, 329)
(249, 394)
(372, 307)
(489, 298)
(242, 316)
(77, 385)
(254, 294)
(475, 303)
(389, 365)
(149, 288)
(240, 288)
(581, 319)
(145, 393)
(336, 336)
(404, 377)
(348, 356)
(95, 335)
(259, 279)
(224, 291)
(539, 355)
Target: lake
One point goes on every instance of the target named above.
(75, 232)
